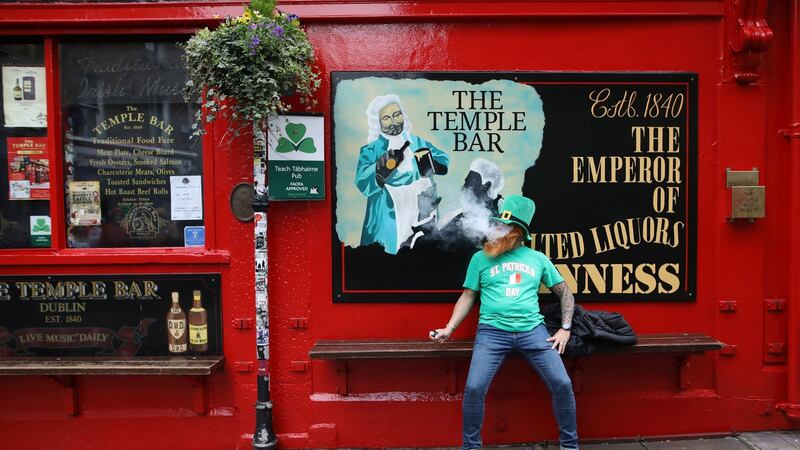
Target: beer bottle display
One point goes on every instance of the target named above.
(176, 327)
(198, 325)
(17, 91)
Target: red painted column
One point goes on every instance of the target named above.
(793, 133)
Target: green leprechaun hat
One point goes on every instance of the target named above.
(519, 210)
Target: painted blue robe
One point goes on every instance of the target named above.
(379, 219)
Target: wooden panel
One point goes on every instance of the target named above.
(164, 365)
(386, 348)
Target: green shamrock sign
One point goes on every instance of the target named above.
(41, 226)
(40, 231)
(296, 141)
(296, 163)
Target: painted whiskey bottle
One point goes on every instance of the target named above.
(394, 158)
(198, 325)
(176, 327)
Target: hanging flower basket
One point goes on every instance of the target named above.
(248, 64)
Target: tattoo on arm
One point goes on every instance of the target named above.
(567, 301)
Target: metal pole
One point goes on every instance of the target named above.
(264, 437)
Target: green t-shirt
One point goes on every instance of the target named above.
(509, 287)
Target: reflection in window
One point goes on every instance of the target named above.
(24, 162)
(133, 171)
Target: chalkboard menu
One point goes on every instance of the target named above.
(610, 159)
(133, 170)
(104, 315)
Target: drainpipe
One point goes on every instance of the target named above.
(792, 407)
(264, 437)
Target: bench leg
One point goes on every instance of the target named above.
(71, 397)
(342, 378)
(201, 398)
(451, 373)
(685, 368)
(575, 369)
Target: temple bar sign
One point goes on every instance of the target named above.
(110, 315)
(423, 160)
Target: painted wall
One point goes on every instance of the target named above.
(417, 403)
(406, 403)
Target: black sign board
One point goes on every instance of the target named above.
(128, 141)
(609, 158)
(107, 315)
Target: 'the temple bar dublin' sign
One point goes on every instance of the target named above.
(104, 315)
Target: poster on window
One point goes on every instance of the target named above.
(84, 203)
(186, 197)
(40, 231)
(28, 168)
(24, 98)
(423, 162)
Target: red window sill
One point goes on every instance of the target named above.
(113, 256)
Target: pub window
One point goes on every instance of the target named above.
(132, 169)
(24, 163)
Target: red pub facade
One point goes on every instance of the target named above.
(732, 273)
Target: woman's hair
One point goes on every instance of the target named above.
(509, 241)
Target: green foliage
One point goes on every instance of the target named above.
(247, 64)
(265, 7)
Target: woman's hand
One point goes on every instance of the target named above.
(559, 340)
(440, 334)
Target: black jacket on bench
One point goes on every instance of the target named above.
(591, 330)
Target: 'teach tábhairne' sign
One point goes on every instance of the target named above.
(296, 156)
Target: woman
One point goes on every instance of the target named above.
(507, 274)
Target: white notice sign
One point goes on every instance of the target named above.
(24, 99)
(186, 197)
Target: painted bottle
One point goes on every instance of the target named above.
(17, 91)
(395, 157)
(176, 327)
(198, 325)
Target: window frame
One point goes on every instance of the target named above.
(209, 254)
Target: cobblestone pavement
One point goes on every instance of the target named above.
(762, 440)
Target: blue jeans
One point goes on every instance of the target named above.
(492, 345)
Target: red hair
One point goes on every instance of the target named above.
(510, 241)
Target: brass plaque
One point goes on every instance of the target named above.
(741, 177)
(242, 198)
(747, 202)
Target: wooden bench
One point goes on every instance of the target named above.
(106, 365)
(64, 369)
(346, 351)
(392, 348)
